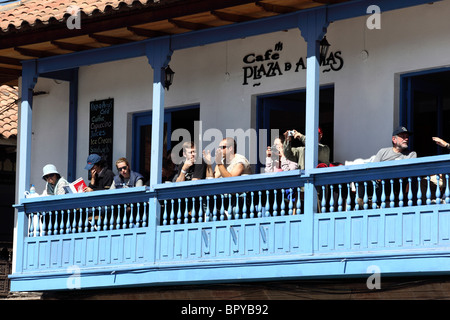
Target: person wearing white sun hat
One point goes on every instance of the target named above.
(54, 182)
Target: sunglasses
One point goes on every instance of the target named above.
(122, 168)
(223, 147)
(48, 176)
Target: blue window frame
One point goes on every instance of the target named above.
(174, 118)
(425, 109)
(287, 111)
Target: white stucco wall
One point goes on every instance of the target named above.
(366, 91)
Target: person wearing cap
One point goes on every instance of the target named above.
(101, 176)
(297, 154)
(399, 149)
(54, 182)
(126, 177)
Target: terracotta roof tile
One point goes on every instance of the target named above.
(8, 111)
(30, 12)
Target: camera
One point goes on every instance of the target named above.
(275, 152)
(290, 133)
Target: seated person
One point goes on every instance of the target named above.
(101, 176)
(192, 168)
(398, 151)
(275, 159)
(297, 154)
(126, 177)
(54, 182)
(228, 162)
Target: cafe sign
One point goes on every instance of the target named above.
(258, 66)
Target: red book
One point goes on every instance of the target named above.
(78, 185)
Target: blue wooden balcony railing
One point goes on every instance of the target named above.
(172, 233)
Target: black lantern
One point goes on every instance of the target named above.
(324, 46)
(168, 77)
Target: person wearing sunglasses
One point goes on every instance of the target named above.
(126, 178)
(228, 162)
(54, 183)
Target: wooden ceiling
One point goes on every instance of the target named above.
(125, 24)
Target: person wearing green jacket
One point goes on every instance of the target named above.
(297, 154)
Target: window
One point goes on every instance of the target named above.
(174, 118)
(287, 111)
(425, 109)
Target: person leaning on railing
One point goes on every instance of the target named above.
(101, 176)
(192, 167)
(228, 162)
(398, 151)
(126, 178)
(54, 182)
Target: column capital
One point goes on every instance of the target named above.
(313, 24)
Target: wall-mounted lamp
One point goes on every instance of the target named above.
(324, 46)
(39, 93)
(168, 77)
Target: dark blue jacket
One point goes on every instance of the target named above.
(134, 177)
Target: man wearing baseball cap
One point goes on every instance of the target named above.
(101, 176)
(399, 149)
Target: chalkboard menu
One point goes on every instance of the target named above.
(101, 120)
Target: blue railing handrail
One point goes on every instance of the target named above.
(91, 199)
(286, 179)
(319, 176)
(382, 170)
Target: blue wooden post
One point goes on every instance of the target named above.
(158, 55)
(29, 79)
(313, 29)
(73, 126)
(21, 233)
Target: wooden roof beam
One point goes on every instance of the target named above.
(11, 61)
(10, 72)
(225, 16)
(70, 46)
(147, 32)
(329, 1)
(34, 53)
(275, 8)
(109, 40)
(188, 25)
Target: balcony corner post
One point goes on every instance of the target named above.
(158, 54)
(19, 237)
(310, 208)
(154, 219)
(29, 79)
(313, 28)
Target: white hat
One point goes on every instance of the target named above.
(49, 169)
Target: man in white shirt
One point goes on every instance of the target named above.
(228, 162)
